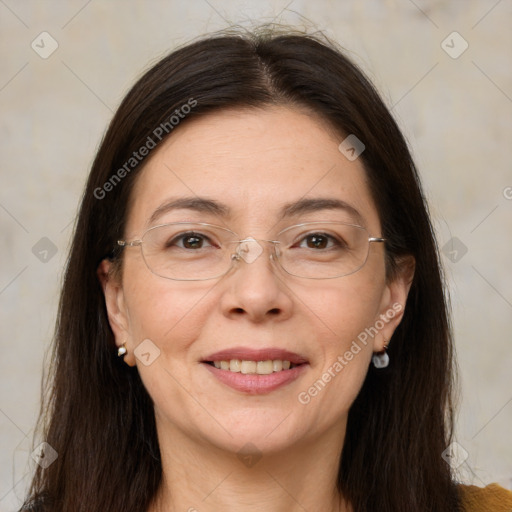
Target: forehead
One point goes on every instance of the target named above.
(255, 162)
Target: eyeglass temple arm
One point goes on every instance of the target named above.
(124, 243)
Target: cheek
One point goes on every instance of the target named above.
(342, 309)
(170, 313)
(343, 314)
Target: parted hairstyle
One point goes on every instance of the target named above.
(95, 410)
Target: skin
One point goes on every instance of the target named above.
(254, 162)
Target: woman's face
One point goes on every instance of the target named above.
(255, 172)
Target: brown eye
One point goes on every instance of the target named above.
(192, 242)
(317, 241)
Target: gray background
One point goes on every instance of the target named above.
(455, 112)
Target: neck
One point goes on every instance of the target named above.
(199, 477)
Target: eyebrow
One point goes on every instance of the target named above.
(211, 206)
(315, 204)
(198, 204)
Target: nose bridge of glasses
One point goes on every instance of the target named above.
(250, 249)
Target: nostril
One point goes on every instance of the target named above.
(242, 311)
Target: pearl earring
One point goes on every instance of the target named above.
(381, 359)
(122, 350)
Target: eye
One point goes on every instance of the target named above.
(319, 241)
(190, 240)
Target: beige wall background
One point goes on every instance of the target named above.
(453, 103)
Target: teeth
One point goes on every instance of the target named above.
(248, 367)
(264, 367)
(277, 365)
(253, 367)
(235, 365)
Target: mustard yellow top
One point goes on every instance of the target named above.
(492, 498)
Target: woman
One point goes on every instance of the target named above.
(253, 315)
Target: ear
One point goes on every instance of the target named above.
(116, 308)
(392, 306)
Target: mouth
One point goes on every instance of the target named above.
(248, 367)
(255, 371)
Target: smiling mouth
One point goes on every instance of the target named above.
(248, 367)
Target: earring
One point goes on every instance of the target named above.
(381, 359)
(121, 351)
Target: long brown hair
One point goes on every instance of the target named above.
(97, 414)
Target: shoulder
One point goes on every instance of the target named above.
(491, 498)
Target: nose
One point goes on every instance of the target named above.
(254, 288)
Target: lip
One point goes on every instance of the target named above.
(254, 384)
(263, 354)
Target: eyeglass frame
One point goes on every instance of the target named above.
(237, 257)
